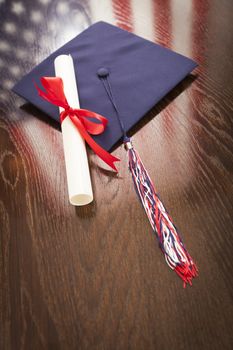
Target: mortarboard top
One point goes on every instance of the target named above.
(141, 74)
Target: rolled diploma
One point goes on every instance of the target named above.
(77, 169)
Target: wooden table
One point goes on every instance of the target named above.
(93, 277)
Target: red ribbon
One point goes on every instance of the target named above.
(54, 93)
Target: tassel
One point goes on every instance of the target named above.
(175, 253)
(170, 242)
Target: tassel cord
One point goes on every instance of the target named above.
(108, 88)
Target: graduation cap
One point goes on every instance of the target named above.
(141, 74)
(122, 76)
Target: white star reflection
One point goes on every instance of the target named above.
(52, 26)
(17, 8)
(7, 84)
(15, 70)
(36, 16)
(20, 53)
(44, 2)
(28, 36)
(62, 8)
(4, 46)
(3, 96)
(9, 27)
(79, 19)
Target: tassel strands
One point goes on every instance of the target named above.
(175, 253)
(170, 242)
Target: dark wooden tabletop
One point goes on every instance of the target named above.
(93, 277)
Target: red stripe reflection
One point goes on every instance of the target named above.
(123, 14)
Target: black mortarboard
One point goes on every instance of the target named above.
(141, 73)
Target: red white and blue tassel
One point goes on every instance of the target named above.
(175, 253)
(169, 239)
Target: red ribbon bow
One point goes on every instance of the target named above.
(54, 93)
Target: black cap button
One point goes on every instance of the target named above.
(103, 72)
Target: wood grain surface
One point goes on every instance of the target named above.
(93, 277)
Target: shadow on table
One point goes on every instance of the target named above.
(36, 112)
(160, 106)
(86, 211)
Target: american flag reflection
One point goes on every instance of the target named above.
(30, 31)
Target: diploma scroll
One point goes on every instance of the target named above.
(77, 169)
